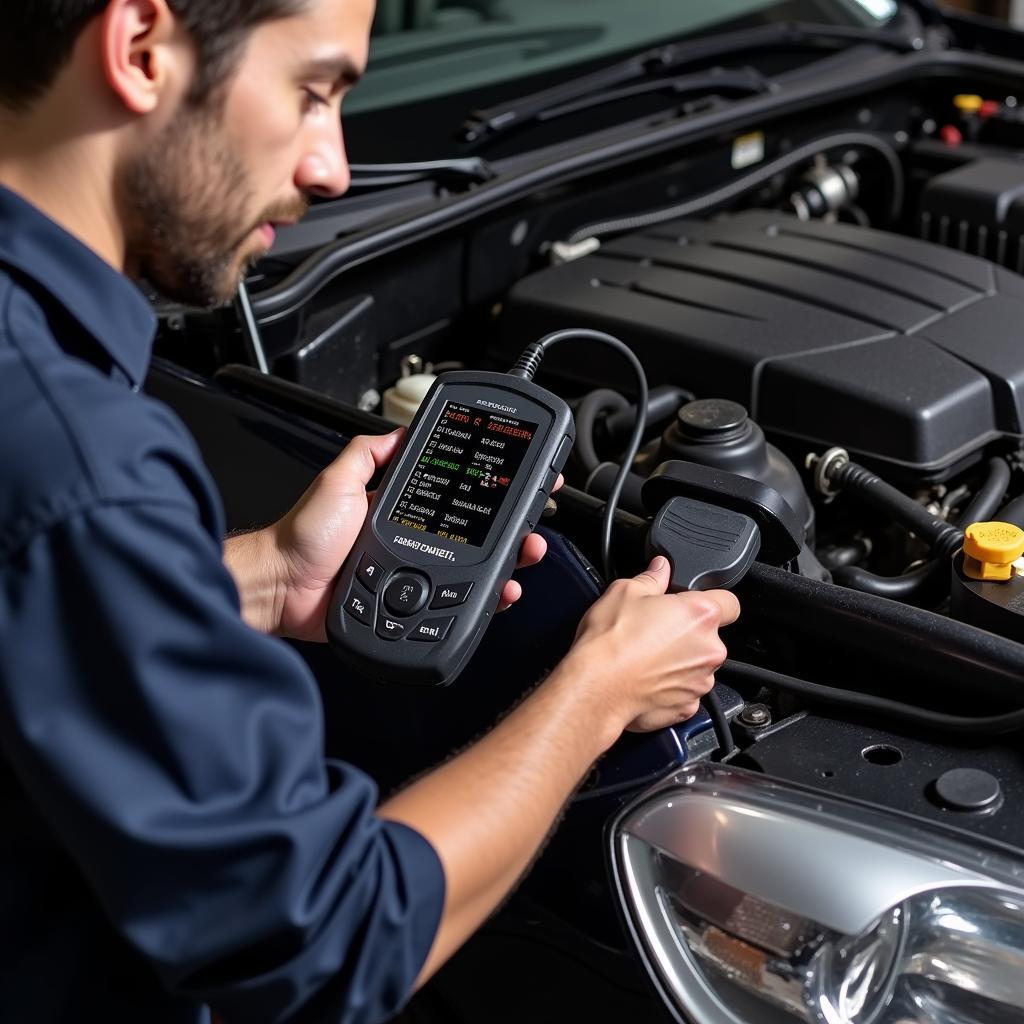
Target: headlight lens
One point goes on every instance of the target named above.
(756, 902)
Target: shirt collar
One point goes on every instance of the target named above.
(102, 300)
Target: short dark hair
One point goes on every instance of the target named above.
(37, 37)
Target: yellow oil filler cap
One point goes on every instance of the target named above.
(990, 549)
(967, 103)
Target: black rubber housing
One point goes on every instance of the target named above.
(782, 533)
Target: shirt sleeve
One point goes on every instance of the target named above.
(178, 756)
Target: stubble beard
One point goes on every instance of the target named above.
(187, 207)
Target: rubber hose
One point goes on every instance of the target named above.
(924, 585)
(838, 556)
(961, 660)
(1012, 512)
(986, 500)
(664, 402)
(928, 583)
(857, 481)
(586, 415)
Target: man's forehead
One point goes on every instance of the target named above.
(329, 35)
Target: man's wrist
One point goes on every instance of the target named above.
(259, 572)
(579, 678)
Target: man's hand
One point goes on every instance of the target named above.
(286, 572)
(655, 653)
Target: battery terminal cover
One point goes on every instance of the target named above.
(992, 551)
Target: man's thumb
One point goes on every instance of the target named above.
(364, 455)
(657, 575)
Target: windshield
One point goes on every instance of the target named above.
(425, 49)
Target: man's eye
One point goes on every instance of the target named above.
(314, 99)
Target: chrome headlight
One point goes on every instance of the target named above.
(753, 901)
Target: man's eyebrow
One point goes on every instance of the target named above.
(340, 70)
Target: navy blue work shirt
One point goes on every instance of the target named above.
(172, 837)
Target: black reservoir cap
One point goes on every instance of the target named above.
(712, 419)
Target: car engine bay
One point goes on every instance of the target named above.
(812, 238)
(827, 297)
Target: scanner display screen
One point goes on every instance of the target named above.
(464, 474)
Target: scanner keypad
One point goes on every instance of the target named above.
(388, 597)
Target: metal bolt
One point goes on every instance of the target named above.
(411, 364)
(756, 716)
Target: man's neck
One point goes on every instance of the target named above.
(69, 178)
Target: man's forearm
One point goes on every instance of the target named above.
(488, 811)
(253, 561)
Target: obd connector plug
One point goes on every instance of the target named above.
(709, 548)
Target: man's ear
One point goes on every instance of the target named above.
(141, 52)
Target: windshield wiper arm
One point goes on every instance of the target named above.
(453, 174)
(483, 125)
(743, 80)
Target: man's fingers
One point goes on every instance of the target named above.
(512, 592)
(534, 548)
(655, 578)
(364, 455)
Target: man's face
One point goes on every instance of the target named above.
(200, 205)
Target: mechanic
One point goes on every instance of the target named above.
(173, 837)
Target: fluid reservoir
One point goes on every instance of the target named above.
(988, 588)
(718, 433)
(403, 400)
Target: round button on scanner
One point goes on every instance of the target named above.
(406, 594)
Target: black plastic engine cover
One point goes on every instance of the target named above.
(908, 354)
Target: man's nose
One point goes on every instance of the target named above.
(323, 170)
